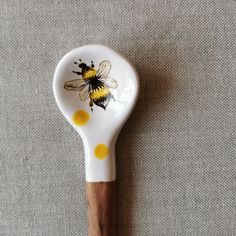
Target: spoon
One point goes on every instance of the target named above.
(96, 89)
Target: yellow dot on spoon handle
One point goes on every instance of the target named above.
(101, 151)
(80, 117)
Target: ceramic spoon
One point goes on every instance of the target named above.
(96, 89)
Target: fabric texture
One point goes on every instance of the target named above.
(176, 156)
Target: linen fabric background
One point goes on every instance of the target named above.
(176, 156)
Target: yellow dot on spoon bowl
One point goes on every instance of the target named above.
(101, 151)
(80, 117)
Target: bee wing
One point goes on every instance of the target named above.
(78, 85)
(109, 82)
(84, 92)
(104, 69)
(74, 85)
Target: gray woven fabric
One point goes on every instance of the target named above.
(176, 156)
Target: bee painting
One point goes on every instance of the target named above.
(94, 84)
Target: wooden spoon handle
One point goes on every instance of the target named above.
(101, 204)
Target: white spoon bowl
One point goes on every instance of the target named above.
(111, 84)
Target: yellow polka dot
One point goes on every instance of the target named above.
(101, 151)
(80, 117)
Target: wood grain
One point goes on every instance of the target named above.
(101, 204)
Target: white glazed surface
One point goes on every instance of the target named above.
(104, 125)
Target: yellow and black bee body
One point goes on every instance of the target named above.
(94, 84)
(100, 94)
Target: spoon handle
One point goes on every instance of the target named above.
(101, 205)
